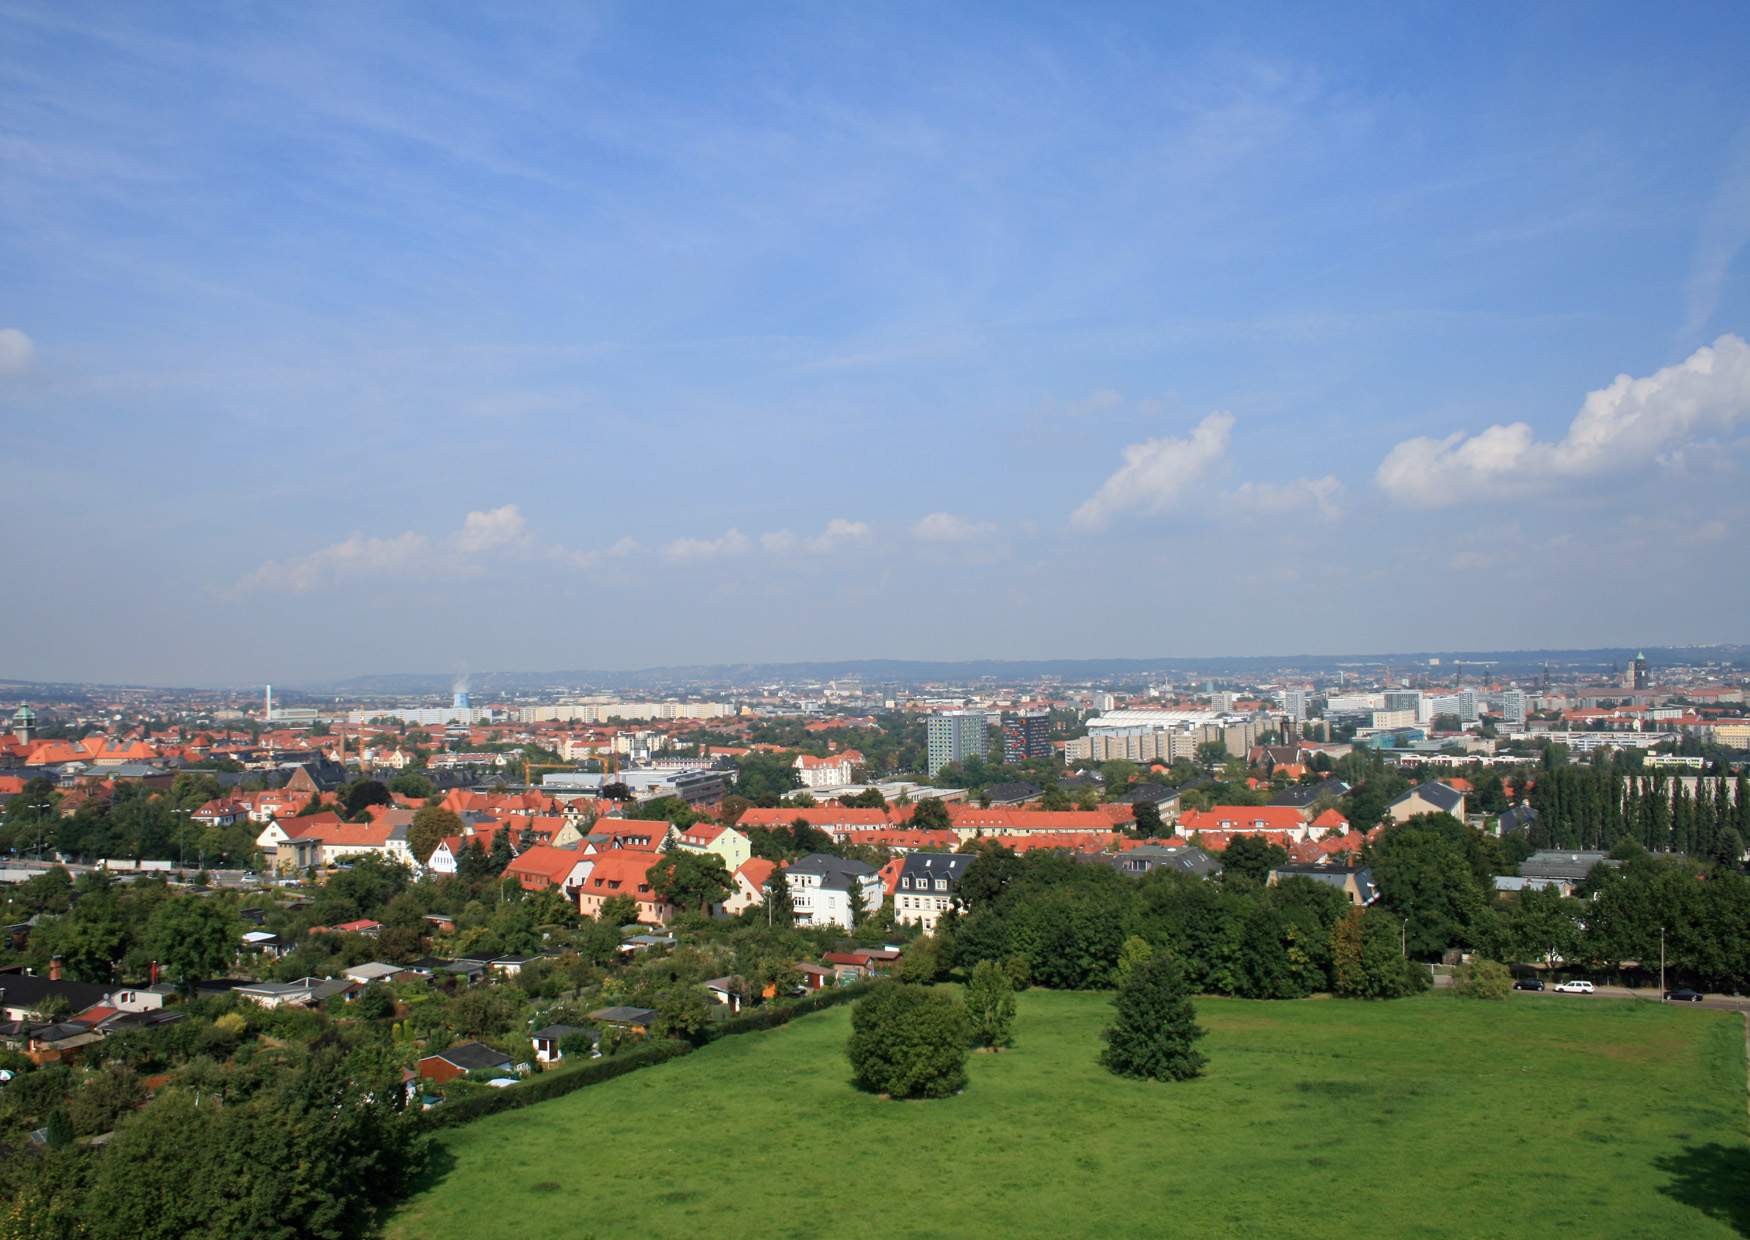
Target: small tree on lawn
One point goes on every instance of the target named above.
(990, 1003)
(1482, 979)
(1156, 1029)
(909, 1042)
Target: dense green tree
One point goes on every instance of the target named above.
(1154, 1032)
(690, 880)
(1426, 878)
(765, 778)
(990, 1004)
(1251, 857)
(931, 815)
(777, 906)
(192, 938)
(361, 794)
(431, 825)
(1148, 820)
(909, 1042)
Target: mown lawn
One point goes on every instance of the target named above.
(1425, 1117)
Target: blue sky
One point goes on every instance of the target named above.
(346, 338)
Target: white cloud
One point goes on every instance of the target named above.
(411, 555)
(1157, 472)
(405, 554)
(1633, 422)
(492, 530)
(16, 351)
(1322, 495)
(945, 527)
(838, 532)
(731, 542)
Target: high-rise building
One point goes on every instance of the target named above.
(955, 735)
(1294, 703)
(1513, 708)
(1026, 735)
(1404, 699)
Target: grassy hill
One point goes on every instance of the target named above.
(1427, 1117)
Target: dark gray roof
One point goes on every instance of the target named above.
(1302, 795)
(553, 1033)
(1148, 794)
(1519, 818)
(1563, 864)
(21, 990)
(473, 1056)
(1014, 791)
(1182, 859)
(1333, 876)
(1435, 793)
(927, 867)
(835, 872)
(624, 1015)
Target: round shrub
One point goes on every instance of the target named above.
(909, 1042)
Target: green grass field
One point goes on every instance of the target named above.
(1424, 1117)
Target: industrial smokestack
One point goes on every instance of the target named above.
(268, 717)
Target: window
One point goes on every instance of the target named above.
(941, 884)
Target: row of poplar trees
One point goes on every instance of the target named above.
(1589, 807)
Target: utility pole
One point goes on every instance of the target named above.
(1661, 964)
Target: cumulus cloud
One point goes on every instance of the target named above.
(838, 532)
(16, 351)
(492, 530)
(1323, 496)
(1633, 422)
(945, 527)
(730, 542)
(403, 555)
(360, 557)
(1157, 472)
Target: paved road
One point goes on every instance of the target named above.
(1725, 1003)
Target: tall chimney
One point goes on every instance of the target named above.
(268, 717)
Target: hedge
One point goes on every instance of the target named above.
(562, 1081)
(775, 1014)
(554, 1084)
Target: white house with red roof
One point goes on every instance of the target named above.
(832, 771)
(709, 839)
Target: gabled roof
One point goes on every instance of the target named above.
(1434, 793)
(473, 1057)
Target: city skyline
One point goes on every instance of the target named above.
(340, 343)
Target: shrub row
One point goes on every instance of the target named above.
(773, 1015)
(562, 1081)
(554, 1084)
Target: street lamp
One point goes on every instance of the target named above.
(1661, 964)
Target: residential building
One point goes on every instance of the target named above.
(1026, 735)
(1513, 708)
(750, 879)
(461, 1060)
(709, 839)
(956, 735)
(1177, 858)
(926, 887)
(832, 771)
(832, 891)
(1432, 797)
(1355, 882)
(543, 866)
(623, 872)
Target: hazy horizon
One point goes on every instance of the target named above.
(337, 340)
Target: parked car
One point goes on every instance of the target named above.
(1683, 996)
(1528, 983)
(1576, 987)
